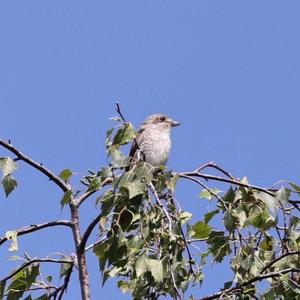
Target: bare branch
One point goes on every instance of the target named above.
(36, 227)
(86, 195)
(213, 165)
(239, 287)
(38, 166)
(223, 179)
(81, 259)
(87, 233)
(151, 186)
(61, 290)
(295, 204)
(36, 260)
(94, 244)
(118, 110)
(279, 258)
(206, 188)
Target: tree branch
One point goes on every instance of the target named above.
(36, 227)
(60, 290)
(239, 287)
(213, 165)
(38, 166)
(78, 201)
(36, 260)
(223, 179)
(206, 188)
(279, 258)
(87, 233)
(81, 259)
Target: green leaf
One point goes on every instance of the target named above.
(227, 285)
(15, 257)
(12, 235)
(22, 281)
(135, 188)
(123, 286)
(124, 135)
(118, 159)
(208, 216)
(49, 278)
(271, 202)
(64, 267)
(65, 174)
(201, 230)
(95, 184)
(283, 194)
(230, 220)
(261, 219)
(141, 266)
(229, 196)
(241, 215)
(105, 172)
(295, 187)
(7, 165)
(66, 198)
(108, 142)
(184, 216)
(172, 181)
(267, 243)
(101, 251)
(107, 200)
(156, 268)
(207, 194)
(2, 289)
(218, 245)
(295, 222)
(9, 184)
(143, 170)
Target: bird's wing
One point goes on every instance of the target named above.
(135, 145)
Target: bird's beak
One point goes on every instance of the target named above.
(174, 123)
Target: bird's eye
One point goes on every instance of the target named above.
(162, 118)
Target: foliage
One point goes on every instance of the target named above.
(152, 246)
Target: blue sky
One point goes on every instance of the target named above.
(229, 71)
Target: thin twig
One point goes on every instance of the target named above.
(78, 201)
(64, 186)
(191, 259)
(239, 287)
(279, 258)
(89, 247)
(223, 179)
(161, 205)
(118, 110)
(87, 233)
(206, 188)
(66, 283)
(295, 204)
(36, 227)
(36, 260)
(213, 165)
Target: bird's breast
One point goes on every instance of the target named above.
(156, 148)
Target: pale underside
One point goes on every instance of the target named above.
(153, 147)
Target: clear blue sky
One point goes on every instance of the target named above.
(229, 71)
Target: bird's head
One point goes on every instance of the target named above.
(160, 121)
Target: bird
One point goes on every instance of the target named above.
(153, 141)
